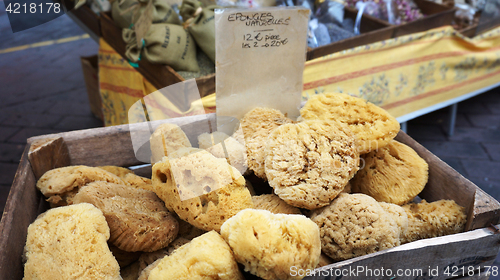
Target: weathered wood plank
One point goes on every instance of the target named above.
(113, 145)
(46, 154)
(486, 211)
(444, 182)
(420, 258)
(20, 210)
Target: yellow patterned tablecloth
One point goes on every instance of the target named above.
(409, 73)
(402, 75)
(120, 86)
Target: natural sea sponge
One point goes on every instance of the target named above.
(205, 257)
(309, 163)
(129, 177)
(69, 243)
(137, 218)
(268, 244)
(273, 204)
(398, 214)
(117, 170)
(394, 174)
(373, 126)
(438, 218)
(354, 225)
(150, 257)
(256, 126)
(166, 139)
(61, 184)
(138, 182)
(236, 152)
(213, 190)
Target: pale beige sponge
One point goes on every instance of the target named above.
(394, 174)
(373, 126)
(69, 242)
(203, 190)
(61, 184)
(148, 258)
(309, 163)
(354, 225)
(117, 170)
(205, 257)
(137, 181)
(257, 124)
(271, 245)
(438, 218)
(129, 177)
(222, 145)
(398, 214)
(273, 204)
(137, 218)
(166, 139)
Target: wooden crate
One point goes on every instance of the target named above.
(113, 146)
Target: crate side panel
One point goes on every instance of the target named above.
(471, 249)
(20, 211)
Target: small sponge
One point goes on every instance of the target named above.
(354, 225)
(273, 204)
(69, 243)
(309, 163)
(213, 190)
(257, 125)
(61, 184)
(269, 245)
(373, 126)
(439, 218)
(233, 151)
(166, 139)
(137, 218)
(205, 257)
(394, 174)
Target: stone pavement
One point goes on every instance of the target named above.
(42, 91)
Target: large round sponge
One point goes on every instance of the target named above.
(68, 243)
(272, 245)
(205, 257)
(354, 225)
(373, 126)
(203, 190)
(309, 163)
(394, 174)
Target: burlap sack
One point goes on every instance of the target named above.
(125, 12)
(166, 44)
(200, 24)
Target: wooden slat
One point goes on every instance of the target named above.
(20, 210)
(113, 145)
(46, 154)
(469, 249)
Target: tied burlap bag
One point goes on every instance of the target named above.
(126, 12)
(200, 24)
(166, 44)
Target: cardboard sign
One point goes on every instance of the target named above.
(260, 56)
